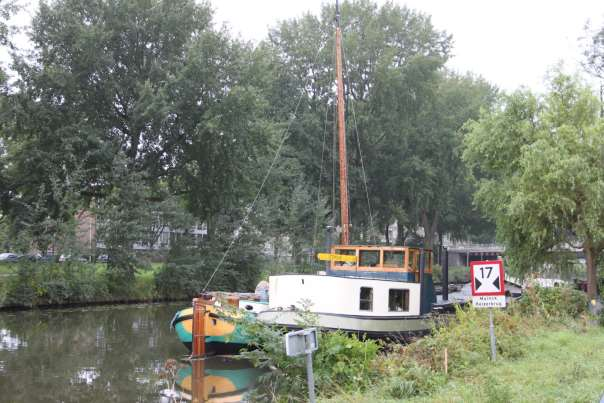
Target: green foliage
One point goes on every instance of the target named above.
(189, 268)
(540, 174)
(553, 303)
(408, 379)
(342, 362)
(497, 392)
(125, 219)
(345, 361)
(457, 274)
(466, 338)
(31, 284)
(54, 284)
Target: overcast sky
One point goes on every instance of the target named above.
(510, 43)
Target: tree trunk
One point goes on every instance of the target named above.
(430, 227)
(592, 275)
(276, 243)
(400, 236)
(387, 234)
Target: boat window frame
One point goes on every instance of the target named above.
(403, 255)
(347, 252)
(374, 251)
(405, 301)
(370, 299)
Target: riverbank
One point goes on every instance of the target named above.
(27, 285)
(557, 365)
(548, 348)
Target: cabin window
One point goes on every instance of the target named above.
(347, 252)
(394, 258)
(398, 300)
(369, 258)
(366, 299)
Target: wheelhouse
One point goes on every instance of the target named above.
(396, 263)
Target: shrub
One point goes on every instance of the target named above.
(553, 303)
(345, 360)
(144, 286)
(404, 380)
(21, 289)
(457, 274)
(342, 362)
(466, 338)
(36, 283)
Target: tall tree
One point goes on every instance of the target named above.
(392, 54)
(148, 80)
(539, 161)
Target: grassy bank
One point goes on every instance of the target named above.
(564, 365)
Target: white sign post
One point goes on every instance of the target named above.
(488, 291)
(304, 342)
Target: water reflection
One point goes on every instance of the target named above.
(102, 354)
(213, 380)
(9, 342)
(86, 375)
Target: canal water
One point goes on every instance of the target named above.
(124, 353)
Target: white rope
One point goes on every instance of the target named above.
(272, 165)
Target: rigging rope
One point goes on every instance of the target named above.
(285, 136)
(314, 237)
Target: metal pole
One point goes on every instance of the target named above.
(492, 332)
(422, 294)
(311, 378)
(445, 279)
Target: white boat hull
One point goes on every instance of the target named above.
(391, 327)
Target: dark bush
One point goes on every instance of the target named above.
(41, 283)
(556, 302)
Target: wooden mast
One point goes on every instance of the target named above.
(341, 134)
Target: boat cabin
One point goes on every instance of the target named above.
(396, 263)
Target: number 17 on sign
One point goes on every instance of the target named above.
(488, 291)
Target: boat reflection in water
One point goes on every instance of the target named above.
(218, 379)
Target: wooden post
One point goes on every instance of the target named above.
(446, 361)
(198, 389)
(199, 328)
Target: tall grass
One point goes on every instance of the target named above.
(418, 370)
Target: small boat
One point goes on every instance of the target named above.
(222, 335)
